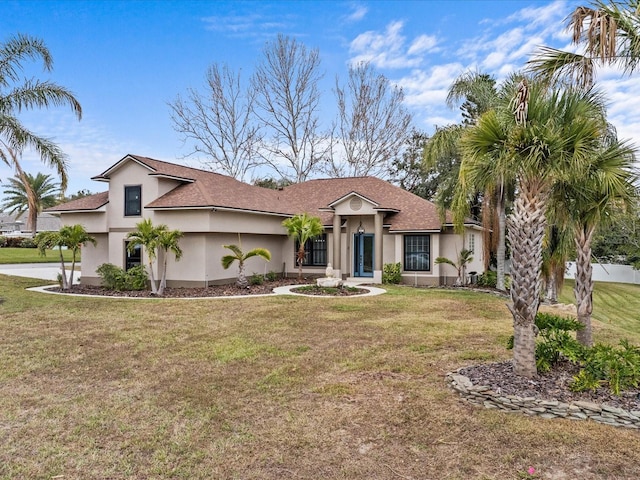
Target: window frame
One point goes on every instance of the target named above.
(128, 256)
(310, 252)
(406, 265)
(127, 202)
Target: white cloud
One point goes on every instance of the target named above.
(358, 12)
(388, 49)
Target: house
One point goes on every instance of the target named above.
(368, 223)
(14, 225)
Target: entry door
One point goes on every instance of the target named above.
(363, 255)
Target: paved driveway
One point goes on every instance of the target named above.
(45, 271)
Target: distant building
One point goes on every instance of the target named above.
(13, 225)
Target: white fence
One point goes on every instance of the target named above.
(604, 272)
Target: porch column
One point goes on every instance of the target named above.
(377, 272)
(336, 263)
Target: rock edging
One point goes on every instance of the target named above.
(483, 396)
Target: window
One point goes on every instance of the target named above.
(132, 201)
(315, 252)
(132, 258)
(417, 252)
(471, 243)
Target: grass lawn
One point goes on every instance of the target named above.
(31, 255)
(276, 388)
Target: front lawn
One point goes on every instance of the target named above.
(31, 255)
(274, 388)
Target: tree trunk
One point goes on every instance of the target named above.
(242, 278)
(300, 260)
(583, 289)
(526, 231)
(502, 247)
(63, 273)
(154, 287)
(552, 285)
(163, 278)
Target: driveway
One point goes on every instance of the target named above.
(44, 271)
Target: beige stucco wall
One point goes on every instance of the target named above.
(92, 257)
(94, 222)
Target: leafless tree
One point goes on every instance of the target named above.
(373, 124)
(220, 122)
(286, 82)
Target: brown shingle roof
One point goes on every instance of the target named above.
(88, 203)
(405, 211)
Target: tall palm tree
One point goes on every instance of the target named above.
(302, 227)
(609, 34)
(241, 257)
(462, 187)
(547, 135)
(607, 186)
(557, 248)
(18, 94)
(168, 241)
(72, 237)
(26, 193)
(146, 235)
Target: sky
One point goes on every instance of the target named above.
(126, 60)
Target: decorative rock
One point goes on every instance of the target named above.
(594, 407)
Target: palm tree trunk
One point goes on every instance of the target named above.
(300, 260)
(154, 287)
(163, 278)
(502, 247)
(583, 289)
(552, 285)
(63, 273)
(526, 231)
(242, 278)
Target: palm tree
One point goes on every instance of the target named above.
(463, 187)
(464, 258)
(302, 227)
(241, 257)
(168, 241)
(609, 34)
(26, 193)
(71, 236)
(17, 95)
(146, 235)
(607, 186)
(545, 136)
(557, 249)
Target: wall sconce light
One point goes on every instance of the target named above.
(360, 228)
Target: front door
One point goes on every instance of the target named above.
(363, 255)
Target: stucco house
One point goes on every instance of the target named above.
(368, 223)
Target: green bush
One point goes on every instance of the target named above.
(392, 273)
(116, 278)
(490, 279)
(256, 279)
(273, 276)
(28, 243)
(617, 367)
(3, 241)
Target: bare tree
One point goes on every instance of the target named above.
(372, 124)
(220, 122)
(286, 82)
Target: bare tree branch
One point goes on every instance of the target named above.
(373, 124)
(220, 122)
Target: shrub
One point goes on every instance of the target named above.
(619, 368)
(256, 279)
(116, 278)
(392, 273)
(490, 279)
(28, 243)
(3, 241)
(273, 276)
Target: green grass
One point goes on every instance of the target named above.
(616, 307)
(276, 387)
(31, 255)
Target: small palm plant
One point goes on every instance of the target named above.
(241, 257)
(301, 228)
(464, 258)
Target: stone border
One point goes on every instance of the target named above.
(483, 396)
(276, 291)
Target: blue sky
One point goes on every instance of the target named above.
(125, 61)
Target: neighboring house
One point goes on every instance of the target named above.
(378, 223)
(13, 225)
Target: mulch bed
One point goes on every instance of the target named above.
(552, 385)
(212, 291)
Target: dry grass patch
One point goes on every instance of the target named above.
(271, 388)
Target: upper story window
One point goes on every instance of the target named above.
(417, 253)
(133, 201)
(315, 251)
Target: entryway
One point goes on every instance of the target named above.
(363, 255)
